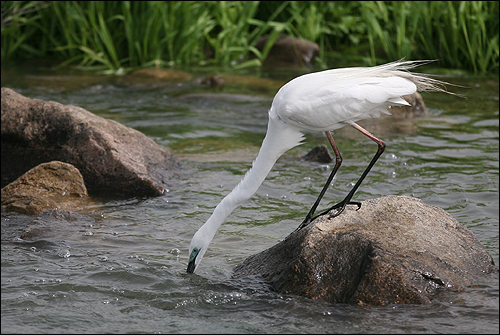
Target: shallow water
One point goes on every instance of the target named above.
(127, 274)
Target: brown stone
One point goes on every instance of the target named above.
(394, 249)
(47, 186)
(109, 155)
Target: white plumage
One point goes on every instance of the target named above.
(322, 101)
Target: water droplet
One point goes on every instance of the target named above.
(174, 251)
(391, 156)
(64, 254)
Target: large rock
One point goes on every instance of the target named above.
(109, 155)
(53, 185)
(394, 249)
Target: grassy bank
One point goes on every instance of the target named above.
(116, 35)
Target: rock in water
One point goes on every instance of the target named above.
(394, 249)
(46, 186)
(109, 155)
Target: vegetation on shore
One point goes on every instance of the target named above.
(113, 36)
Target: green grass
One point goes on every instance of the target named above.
(462, 34)
(114, 36)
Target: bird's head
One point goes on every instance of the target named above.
(198, 247)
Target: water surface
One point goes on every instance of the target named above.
(127, 274)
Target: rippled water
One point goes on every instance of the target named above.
(127, 274)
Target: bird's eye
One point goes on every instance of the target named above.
(194, 253)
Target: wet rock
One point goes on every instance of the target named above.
(58, 224)
(109, 155)
(222, 97)
(45, 77)
(289, 51)
(394, 249)
(47, 186)
(264, 85)
(163, 74)
(319, 154)
(417, 108)
(154, 77)
(215, 80)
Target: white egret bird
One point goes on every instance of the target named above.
(322, 101)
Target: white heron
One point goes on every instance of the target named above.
(321, 101)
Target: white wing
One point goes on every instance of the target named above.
(331, 99)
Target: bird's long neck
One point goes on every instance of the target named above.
(278, 140)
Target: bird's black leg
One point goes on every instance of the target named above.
(338, 162)
(347, 201)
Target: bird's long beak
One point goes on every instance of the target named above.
(191, 266)
(192, 259)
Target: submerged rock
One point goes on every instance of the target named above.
(47, 186)
(319, 154)
(55, 224)
(154, 77)
(394, 249)
(417, 108)
(256, 84)
(109, 155)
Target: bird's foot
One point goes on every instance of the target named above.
(304, 223)
(340, 208)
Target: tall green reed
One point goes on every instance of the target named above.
(113, 35)
(462, 34)
(109, 35)
(19, 25)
